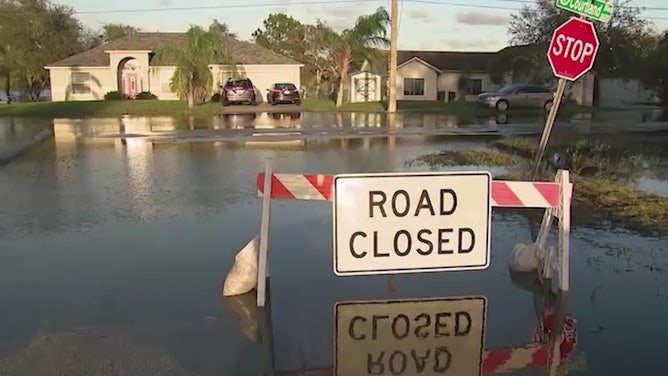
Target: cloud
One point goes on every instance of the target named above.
(338, 16)
(421, 14)
(482, 18)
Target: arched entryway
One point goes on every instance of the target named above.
(129, 77)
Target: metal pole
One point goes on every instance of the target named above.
(267, 336)
(392, 84)
(561, 86)
(264, 236)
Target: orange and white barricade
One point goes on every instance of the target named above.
(554, 197)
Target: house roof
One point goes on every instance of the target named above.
(243, 52)
(450, 61)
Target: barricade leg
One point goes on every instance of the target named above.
(564, 253)
(553, 260)
(262, 269)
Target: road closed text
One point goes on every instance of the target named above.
(422, 241)
(402, 224)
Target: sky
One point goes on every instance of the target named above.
(439, 25)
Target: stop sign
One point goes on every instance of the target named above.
(573, 49)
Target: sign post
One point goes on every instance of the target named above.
(411, 222)
(571, 54)
(597, 10)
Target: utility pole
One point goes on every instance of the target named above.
(392, 81)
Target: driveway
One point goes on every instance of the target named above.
(262, 107)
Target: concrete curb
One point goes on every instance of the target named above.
(16, 149)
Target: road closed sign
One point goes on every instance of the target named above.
(411, 222)
(410, 337)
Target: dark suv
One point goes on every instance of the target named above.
(283, 93)
(238, 90)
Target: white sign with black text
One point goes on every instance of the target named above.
(410, 337)
(411, 222)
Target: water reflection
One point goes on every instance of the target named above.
(425, 336)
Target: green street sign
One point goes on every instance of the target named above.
(597, 10)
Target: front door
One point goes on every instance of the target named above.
(130, 84)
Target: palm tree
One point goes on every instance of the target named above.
(358, 43)
(192, 79)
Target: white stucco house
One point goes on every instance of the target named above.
(436, 75)
(128, 65)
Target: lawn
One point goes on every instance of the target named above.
(604, 193)
(464, 110)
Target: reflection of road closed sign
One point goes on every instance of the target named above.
(410, 337)
(411, 222)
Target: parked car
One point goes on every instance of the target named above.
(518, 96)
(283, 93)
(238, 90)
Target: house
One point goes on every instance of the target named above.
(128, 65)
(442, 75)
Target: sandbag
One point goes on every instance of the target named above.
(524, 258)
(242, 278)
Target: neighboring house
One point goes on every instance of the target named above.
(442, 75)
(128, 65)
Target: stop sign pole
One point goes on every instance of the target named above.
(571, 54)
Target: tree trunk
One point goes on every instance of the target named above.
(318, 82)
(343, 74)
(8, 89)
(190, 95)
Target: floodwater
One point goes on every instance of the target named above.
(112, 254)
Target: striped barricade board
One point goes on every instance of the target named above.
(390, 223)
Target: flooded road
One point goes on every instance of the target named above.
(115, 249)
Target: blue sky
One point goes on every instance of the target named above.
(424, 24)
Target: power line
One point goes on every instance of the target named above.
(322, 2)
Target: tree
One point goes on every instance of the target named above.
(192, 79)
(222, 29)
(34, 34)
(317, 54)
(359, 43)
(624, 39)
(282, 34)
(112, 31)
(655, 70)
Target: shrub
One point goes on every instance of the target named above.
(215, 98)
(146, 95)
(114, 96)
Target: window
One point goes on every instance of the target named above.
(413, 86)
(476, 86)
(507, 89)
(285, 87)
(537, 90)
(80, 82)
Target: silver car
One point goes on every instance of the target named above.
(518, 96)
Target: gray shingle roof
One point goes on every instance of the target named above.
(451, 61)
(243, 52)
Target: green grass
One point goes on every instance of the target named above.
(467, 157)
(603, 193)
(106, 108)
(465, 111)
